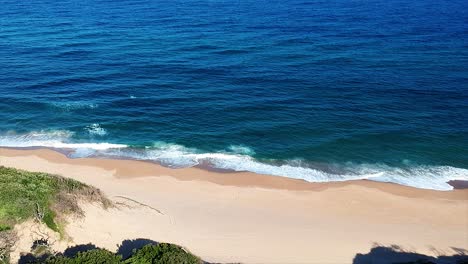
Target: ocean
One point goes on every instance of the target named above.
(315, 90)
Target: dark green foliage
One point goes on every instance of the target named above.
(162, 254)
(4, 227)
(149, 254)
(95, 256)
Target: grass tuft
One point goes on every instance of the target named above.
(41, 196)
(25, 195)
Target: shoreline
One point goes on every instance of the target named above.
(220, 177)
(252, 218)
(213, 175)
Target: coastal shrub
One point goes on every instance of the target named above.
(48, 198)
(150, 254)
(25, 195)
(94, 256)
(162, 254)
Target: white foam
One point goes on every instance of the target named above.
(96, 129)
(70, 106)
(241, 149)
(52, 139)
(173, 155)
(427, 177)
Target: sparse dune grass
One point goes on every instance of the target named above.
(46, 197)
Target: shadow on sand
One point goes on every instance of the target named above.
(128, 246)
(396, 255)
(377, 255)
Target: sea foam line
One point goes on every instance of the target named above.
(420, 176)
(237, 158)
(59, 139)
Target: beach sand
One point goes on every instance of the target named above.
(252, 218)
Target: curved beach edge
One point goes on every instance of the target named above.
(252, 218)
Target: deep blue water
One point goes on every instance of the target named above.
(318, 90)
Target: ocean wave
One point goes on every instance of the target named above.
(96, 129)
(241, 149)
(60, 139)
(420, 176)
(237, 158)
(74, 106)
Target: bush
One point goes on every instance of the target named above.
(95, 256)
(162, 254)
(149, 254)
(46, 197)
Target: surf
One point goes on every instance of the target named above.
(241, 158)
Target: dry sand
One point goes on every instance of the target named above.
(252, 218)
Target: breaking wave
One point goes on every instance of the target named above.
(239, 158)
(60, 139)
(96, 129)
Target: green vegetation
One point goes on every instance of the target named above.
(44, 197)
(48, 198)
(150, 254)
(162, 254)
(91, 257)
(25, 195)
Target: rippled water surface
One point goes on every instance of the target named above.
(318, 90)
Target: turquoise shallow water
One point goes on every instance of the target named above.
(317, 90)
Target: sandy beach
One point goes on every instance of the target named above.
(252, 218)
